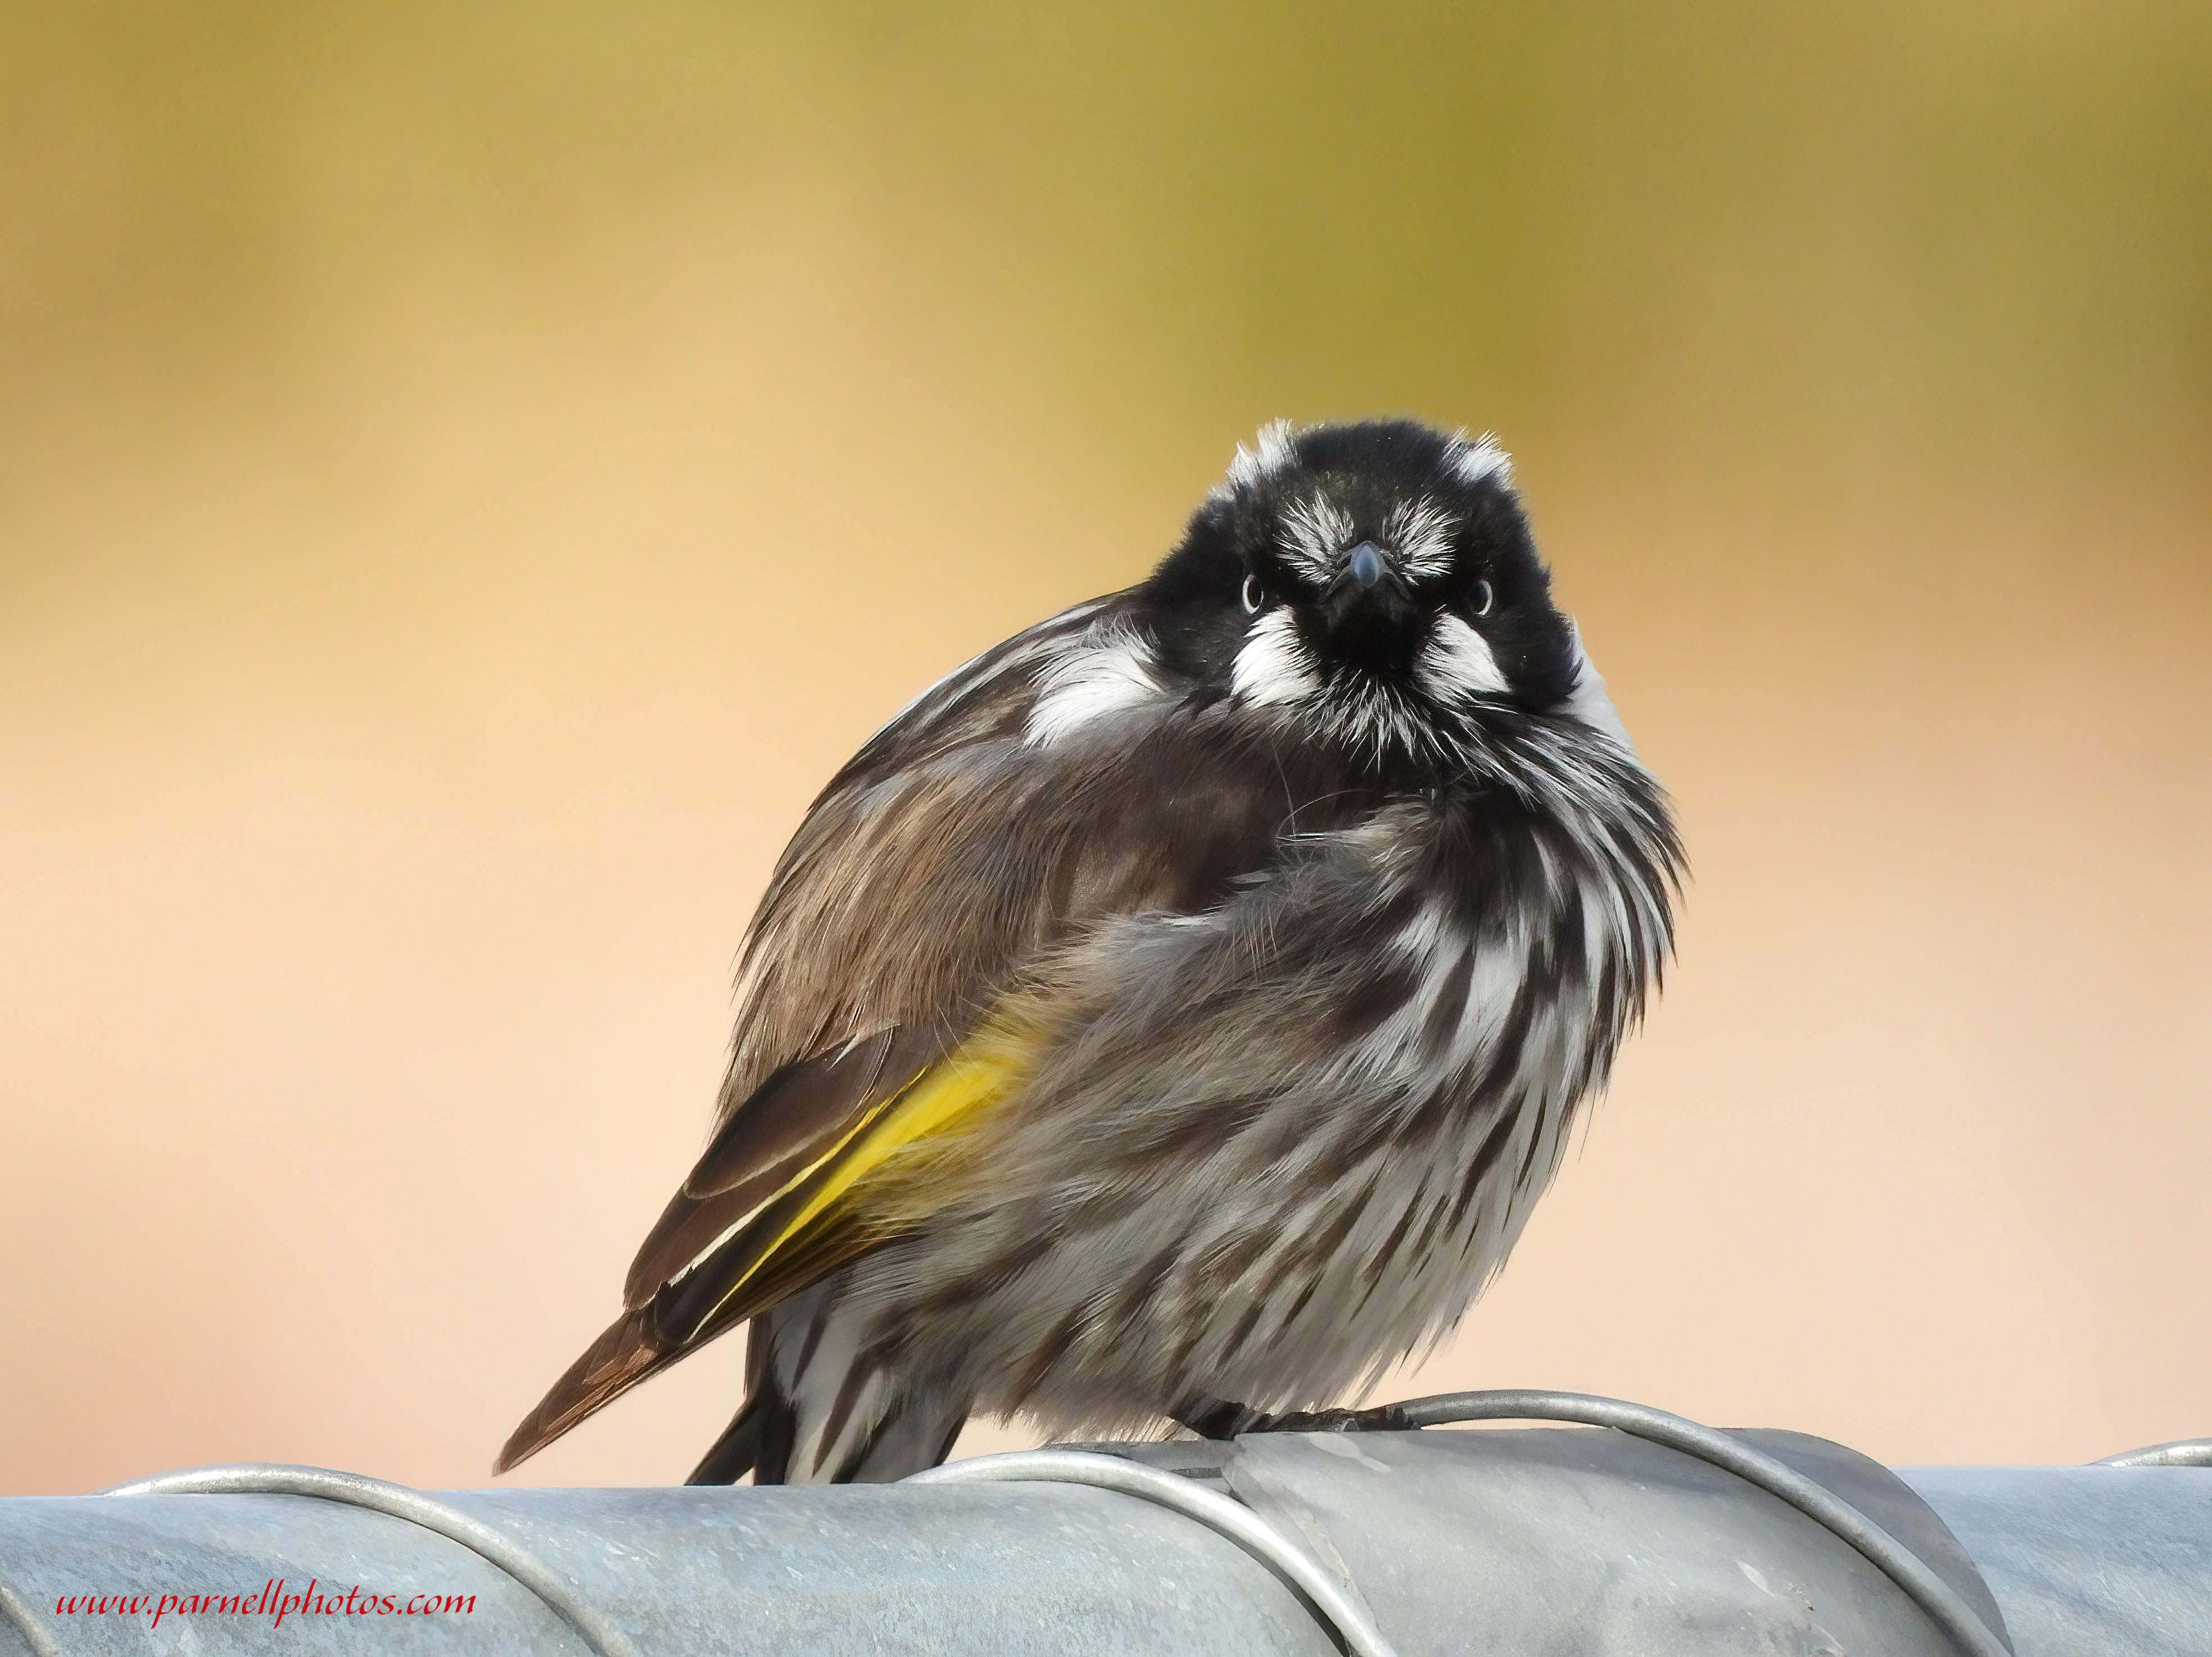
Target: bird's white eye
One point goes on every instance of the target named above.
(1479, 599)
(1252, 597)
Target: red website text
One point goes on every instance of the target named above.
(272, 1602)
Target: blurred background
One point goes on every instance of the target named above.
(468, 473)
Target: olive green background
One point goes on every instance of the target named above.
(468, 472)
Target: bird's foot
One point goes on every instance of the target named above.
(1219, 1418)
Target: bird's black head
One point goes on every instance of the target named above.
(1379, 577)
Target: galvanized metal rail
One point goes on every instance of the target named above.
(1659, 1534)
(1944, 1605)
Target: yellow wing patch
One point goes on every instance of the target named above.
(936, 1106)
(813, 1222)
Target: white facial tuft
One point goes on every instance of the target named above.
(1103, 674)
(1315, 530)
(1457, 662)
(1473, 462)
(1273, 665)
(1420, 531)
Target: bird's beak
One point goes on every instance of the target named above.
(1366, 596)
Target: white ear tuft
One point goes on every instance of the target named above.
(1473, 462)
(1274, 453)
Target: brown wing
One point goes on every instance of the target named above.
(921, 878)
(761, 1154)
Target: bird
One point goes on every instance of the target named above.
(1173, 1014)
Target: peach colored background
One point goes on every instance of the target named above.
(468, 474)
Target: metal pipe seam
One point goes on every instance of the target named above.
(1348, 1624)
(25, 1623)
(1892, 1557)
(2179, 1453)
(398, 1502)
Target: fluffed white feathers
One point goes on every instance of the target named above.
(1274, 666)
(1588, 702)
(1457, 662)
(1107, 671)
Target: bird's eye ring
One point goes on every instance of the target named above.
(1253, 596)
(1481, 599)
